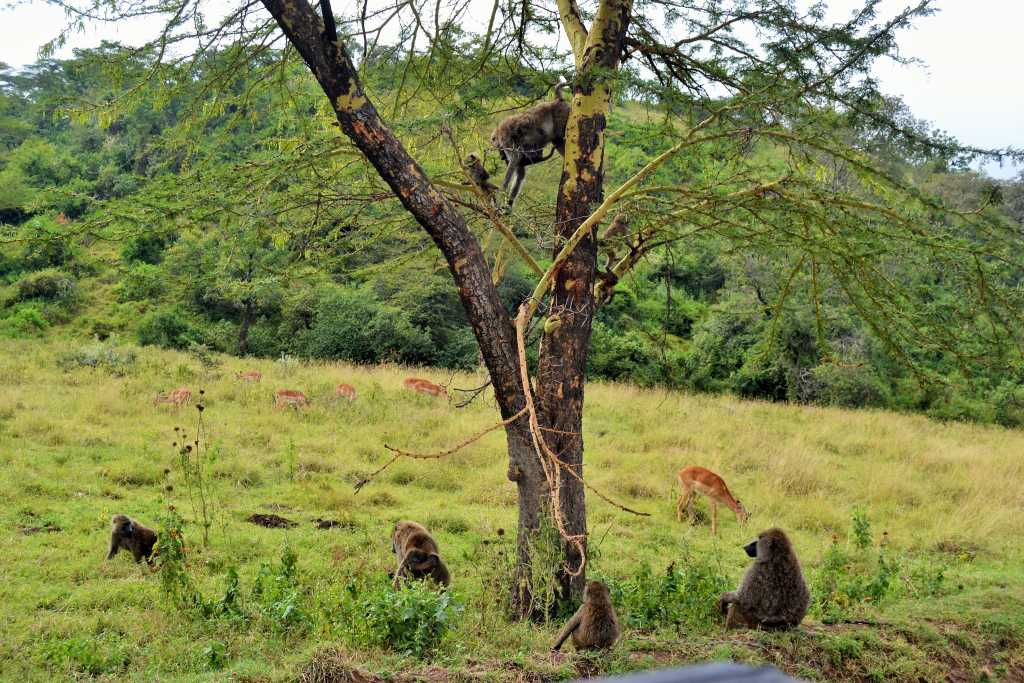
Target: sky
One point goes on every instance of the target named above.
(969, 85)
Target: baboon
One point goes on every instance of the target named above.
(594, 626)
(417, 554)
(521, 138)
(126, 533)
(479, 175)
(773, 594)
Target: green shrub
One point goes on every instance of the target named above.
(99, 356)
(847, 386)
(167, 328)
(852, 578)
(411, 620)
(24, 321)
(685, 595)
(278, 596)
(353, 326)
(142, 282)
(49, 284)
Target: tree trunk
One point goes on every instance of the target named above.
(243, 331)
(563, 351)
(487, 315)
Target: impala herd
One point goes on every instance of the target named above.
(692, 480)
(290, 398)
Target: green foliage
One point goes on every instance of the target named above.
(49, 284)
(684, 595)
(411, 620)
(849, 579)
(25, 320)
(91, 656)
(142, 282)
(168, 328)
(349, 324)
(278, 596)
(99, 356)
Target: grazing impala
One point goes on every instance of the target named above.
(288, 397)
(424, 386)
(177, 398)
(696, 480)
(250, 376)
(345, 391)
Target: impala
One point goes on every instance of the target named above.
(249, 376)
(178, 397)
(345, 391)
(696, 480)
(424, 386)
(289, 397)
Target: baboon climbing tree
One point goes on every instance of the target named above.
(727, 76)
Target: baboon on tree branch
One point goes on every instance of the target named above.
(521, 138)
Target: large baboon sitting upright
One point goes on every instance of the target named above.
(773, 593)
(594, 626)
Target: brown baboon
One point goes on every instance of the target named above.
(773, 594)
(521, 138)
(417, 554)
(126, 533)
(594, 626)
(479, 175)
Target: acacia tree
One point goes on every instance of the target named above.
(726, 76)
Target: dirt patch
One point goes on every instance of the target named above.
(271, 521)
(49, 528)
(334, 666)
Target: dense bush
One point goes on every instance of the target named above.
(168, 328)
(99, 356)
(411, 620)
(351, 325)
(684, 595)
(50, 284)
(849, 386)
(24, 321)
(142, 282)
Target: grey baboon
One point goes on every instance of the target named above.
(773, 594)
(594, 626)
(126, 533)
(521, 139)
(417, 554)
(479, 175)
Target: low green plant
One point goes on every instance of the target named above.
(685, 595)
(412, 619)
(86, 655)
(99, 356)
(215, 655)
(852, 578)
(278, 596)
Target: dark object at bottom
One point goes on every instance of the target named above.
(717, 672)
(271, 521)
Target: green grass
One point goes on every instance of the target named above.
(80, 444)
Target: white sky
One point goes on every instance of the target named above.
(971, 84)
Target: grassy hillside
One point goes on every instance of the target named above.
(79, 443)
